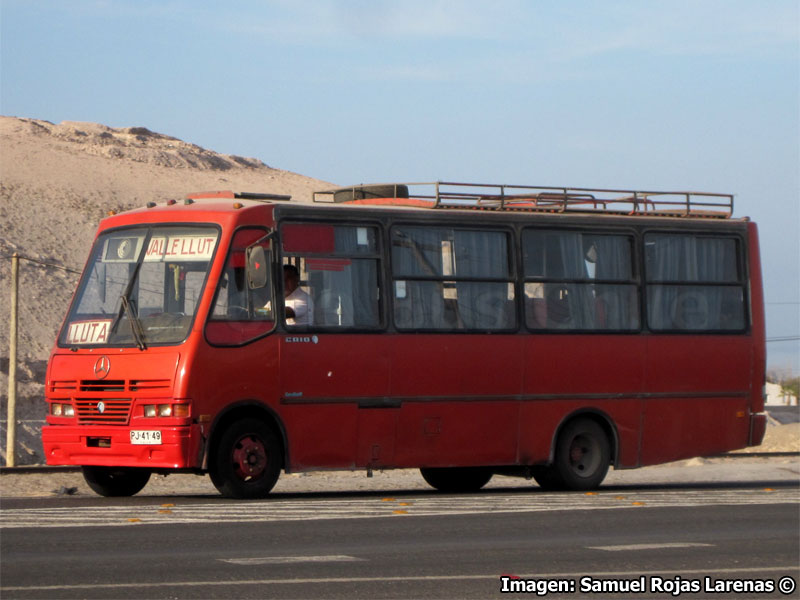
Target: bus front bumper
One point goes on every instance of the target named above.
(179, 447)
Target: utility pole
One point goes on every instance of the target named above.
(11, 431)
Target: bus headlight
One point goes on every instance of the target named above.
(58, 409)
(166, 410)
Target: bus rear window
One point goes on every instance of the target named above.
(694, 283)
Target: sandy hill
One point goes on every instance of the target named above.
(56, 183)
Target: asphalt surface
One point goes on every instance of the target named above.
(785, 414)
(408, 545)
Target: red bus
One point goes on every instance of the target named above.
(462, 329)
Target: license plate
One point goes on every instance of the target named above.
(145, 437)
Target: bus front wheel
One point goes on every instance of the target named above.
(456, 479)
(581, 461)
(115, 481)
(247, 463)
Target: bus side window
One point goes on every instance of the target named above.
(694, 283)
(450, 279)
(338, 267)
(579, 281)
(239, 314)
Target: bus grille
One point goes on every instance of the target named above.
(63, 385)
(141, 385)
(115, 411)
(102, 385)
(115, 385)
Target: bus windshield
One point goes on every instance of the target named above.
(141, 286)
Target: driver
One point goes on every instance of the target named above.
(299, 305)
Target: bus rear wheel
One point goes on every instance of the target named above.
(115, 481)
(456, 479)
(248, 461)
(582, 457)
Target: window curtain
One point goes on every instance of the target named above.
(687, 262)
(576, 272)
(451, 256)
(482, 255)
(417, 252)
(616, 305)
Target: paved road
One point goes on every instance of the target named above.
(785, 414)
(404, 545)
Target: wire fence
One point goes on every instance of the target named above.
(40, 263)
(21, 422)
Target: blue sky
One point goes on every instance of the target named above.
(679, 94)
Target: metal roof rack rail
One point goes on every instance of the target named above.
(502, 197)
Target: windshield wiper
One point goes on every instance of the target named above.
(136, 324)
(133, 319)
(125, 305)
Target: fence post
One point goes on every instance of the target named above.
(11, 430)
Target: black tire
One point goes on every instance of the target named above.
(116, 481)
(582, 457)
(456, 479)
(248, 460)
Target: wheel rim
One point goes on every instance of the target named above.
(249, 458)
(584, 455)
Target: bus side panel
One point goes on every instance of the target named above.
(460, 398)
(321, 436)
(540, 420)
(334, 389)
(675, 429)
(454, 434)
(218, 377)
(568, 373)
(698, 396)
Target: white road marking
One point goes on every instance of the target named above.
(276, 509)
(350, 580)
(285, 560)
(634, 547)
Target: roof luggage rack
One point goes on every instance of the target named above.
(480, 196)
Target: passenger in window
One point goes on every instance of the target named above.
(299, 305)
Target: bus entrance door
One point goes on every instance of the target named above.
(334, 389)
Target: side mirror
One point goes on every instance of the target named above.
(257, 267)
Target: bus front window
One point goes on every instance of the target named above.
(141, 287)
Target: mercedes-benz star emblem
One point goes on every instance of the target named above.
(102, 367)
(101, 407)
